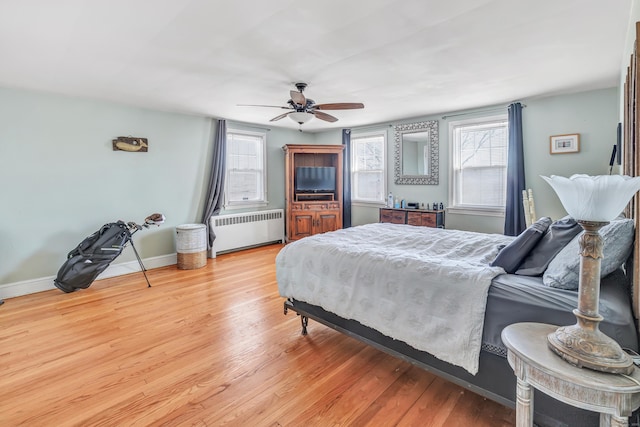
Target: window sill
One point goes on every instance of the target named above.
(237, 206)
(368, 204)
(476, 211)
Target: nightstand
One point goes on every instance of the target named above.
(614, 396)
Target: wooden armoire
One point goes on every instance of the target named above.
(312, 212)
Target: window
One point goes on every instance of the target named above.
(479, 165)
(368, 163)
(246, 176)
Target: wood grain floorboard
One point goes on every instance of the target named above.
(207, 347)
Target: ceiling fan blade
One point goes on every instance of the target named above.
(298, 97)
(324, 116)
(339, 106)
(281, 116)
(257, 105)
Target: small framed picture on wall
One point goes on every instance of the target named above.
(563, 144)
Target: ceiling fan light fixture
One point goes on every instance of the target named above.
(300, 117)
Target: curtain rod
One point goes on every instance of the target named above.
(488, 110)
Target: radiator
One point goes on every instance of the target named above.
(245, 230)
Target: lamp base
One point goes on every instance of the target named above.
(589, 348)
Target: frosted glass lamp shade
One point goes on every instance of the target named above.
(594, 198)
(301, 118)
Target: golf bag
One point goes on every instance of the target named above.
(94, 254)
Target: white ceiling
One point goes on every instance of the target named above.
(401, 58)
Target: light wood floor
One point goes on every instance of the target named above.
(206, 347)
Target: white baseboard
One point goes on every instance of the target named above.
(16, 289)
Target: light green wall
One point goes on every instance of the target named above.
(61, 180)
(593, 114)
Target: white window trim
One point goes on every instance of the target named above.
(469, 209)
(228, 205)
(365, 203)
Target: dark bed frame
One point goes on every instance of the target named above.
(495, 379)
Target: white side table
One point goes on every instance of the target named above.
(614, 396)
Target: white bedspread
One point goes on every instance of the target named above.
(424, 286)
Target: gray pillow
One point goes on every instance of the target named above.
(559, 234)
(564, 270)
(512, 255)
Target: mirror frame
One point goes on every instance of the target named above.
(434, 153)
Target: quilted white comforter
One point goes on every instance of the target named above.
(424, 286)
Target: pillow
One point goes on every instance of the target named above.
(559, 234)
(512, 255)
(564, 270)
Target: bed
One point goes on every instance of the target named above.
(373, 282)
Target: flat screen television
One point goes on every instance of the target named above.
(318, 179)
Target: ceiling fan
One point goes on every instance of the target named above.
(304, 109)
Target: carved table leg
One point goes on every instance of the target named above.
(305, 322)
(607, 420)
(524, 404)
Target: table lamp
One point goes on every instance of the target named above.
(592, 201)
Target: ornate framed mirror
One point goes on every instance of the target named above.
(417, 154)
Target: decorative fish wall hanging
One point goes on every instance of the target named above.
(128, 143)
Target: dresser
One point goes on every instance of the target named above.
(419, 217)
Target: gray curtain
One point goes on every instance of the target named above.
(514, 222)
(215, 189)
(346, 178)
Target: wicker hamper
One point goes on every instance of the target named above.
(191, 246)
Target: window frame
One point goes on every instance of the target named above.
(467, 209)
(239, 204)
(352, 172)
